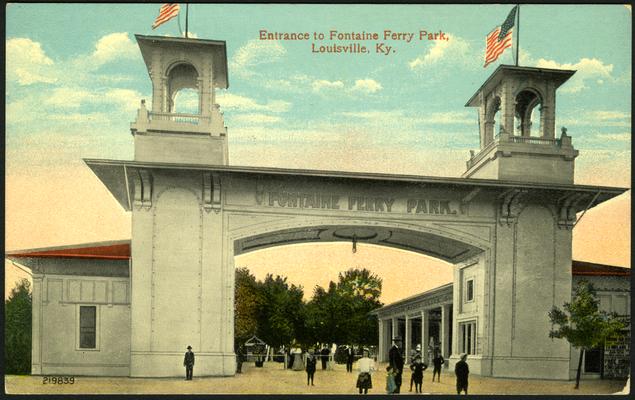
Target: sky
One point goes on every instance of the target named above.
(75, 78)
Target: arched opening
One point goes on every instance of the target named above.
(526, 121)
(183, 90)
(492, 118)
(186, 101)
(411, 263)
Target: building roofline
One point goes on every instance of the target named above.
(408, 299)
(494, 183)
(72, 251)
(566, 74)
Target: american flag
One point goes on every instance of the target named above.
(166, 13)
(499, 39)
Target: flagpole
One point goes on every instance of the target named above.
(187, 9)
(517, 32)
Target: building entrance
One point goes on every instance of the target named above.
(505, 225)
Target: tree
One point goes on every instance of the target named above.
(340, 314)
(245, 305)
(582, 323)
(281, 314)
(326, 316)
(361, 290)
(17, 329)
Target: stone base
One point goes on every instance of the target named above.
(516, 367)
(164, 364)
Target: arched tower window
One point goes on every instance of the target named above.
(183, 91)
(526, 121)
(492, 118)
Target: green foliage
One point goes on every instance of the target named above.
(281, 313)
(17, 330)
(274, 310)
(582, 323)
(245, 306)
(340, 314)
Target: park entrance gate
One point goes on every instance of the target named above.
(506, 224)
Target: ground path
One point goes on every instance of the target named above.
(273, 379)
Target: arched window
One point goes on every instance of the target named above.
(183, 91)
(492, 118)
(526, 121)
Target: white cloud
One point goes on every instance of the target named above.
(447, 118)
(618, 137)
(76, 97)
(587, 70)
(373, 114)
(600, 118)
(242, 103)
(27, 63)
(256, 52)
(113, 47)
(321, 84)
(255, 119)
(453, 49)
(65, 97)
(367, 86)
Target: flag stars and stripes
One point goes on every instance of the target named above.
(166, 13)
(499, 39)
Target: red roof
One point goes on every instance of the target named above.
(587, 268)
(119, 250)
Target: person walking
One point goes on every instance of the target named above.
(240, 357)
(365, 366)
(461, 370)
(437, 362)
(415, 353)
(350, 357)
(417, 367)
(396, 361)
(310, 367)
(188, 363)
(324, 355)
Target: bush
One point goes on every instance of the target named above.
(17, 330)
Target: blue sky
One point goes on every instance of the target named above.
(75, 78)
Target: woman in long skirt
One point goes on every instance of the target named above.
(365, 366)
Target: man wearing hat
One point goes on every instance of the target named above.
(188, 363)
(415, 353)
(396, 361)
(461, 370)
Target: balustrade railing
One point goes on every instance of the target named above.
(193, 119)
(511, 139)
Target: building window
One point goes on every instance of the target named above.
(469, 290)
(467, 332)
(88, 327)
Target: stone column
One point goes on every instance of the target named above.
(407, 337)
(36, 321)
(382, 348)
(445, 330)
(395, 328)
(425, 339)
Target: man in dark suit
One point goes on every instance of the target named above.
(396, 362)
(325, 355)
(350, 357)
(188, 363)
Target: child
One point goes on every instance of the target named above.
(417, 367)
(390, 381)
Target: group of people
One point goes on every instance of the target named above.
(394, 370)
(366, 366)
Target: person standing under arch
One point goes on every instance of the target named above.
(310, 367)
